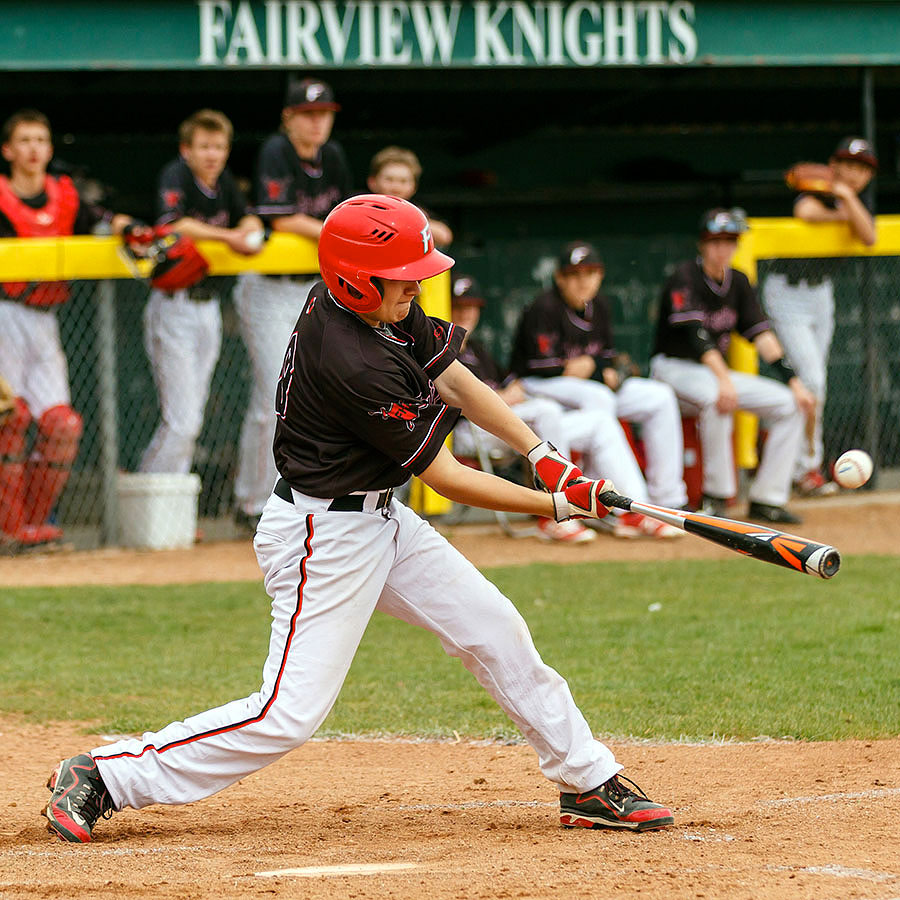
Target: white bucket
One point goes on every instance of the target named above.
(157, 511)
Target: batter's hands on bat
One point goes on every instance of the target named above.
(581, 500)
(552, 472)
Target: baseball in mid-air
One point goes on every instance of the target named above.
(853, 469)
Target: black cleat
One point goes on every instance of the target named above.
(772, 515)
(613, 805)
(79, 798)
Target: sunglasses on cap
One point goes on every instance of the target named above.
(725, 221)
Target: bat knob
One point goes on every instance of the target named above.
(824, 562)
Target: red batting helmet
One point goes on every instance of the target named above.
(375, 236)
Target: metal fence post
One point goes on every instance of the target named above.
(108, 431)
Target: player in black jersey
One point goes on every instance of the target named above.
(301, 175)
(702, 302)
(370, 387)
(198, 197)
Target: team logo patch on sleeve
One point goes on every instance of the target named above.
(275, 188)
(544, 343)
(171, 198)
(403, 412)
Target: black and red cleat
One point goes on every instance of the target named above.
(613, 805)
(79, 798)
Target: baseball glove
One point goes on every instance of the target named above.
(7, 399)
(175, 261)
(625, 368)
(809, 177)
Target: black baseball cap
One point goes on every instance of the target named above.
(465, 289)
(718, 222)
(578, 254)
(310, 93)
(856, 149)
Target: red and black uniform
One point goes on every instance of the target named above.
(56, 211)
(362, 413)
(481, 363)
(180, 195)
(697, 314)
(550, 333)
(287, 184)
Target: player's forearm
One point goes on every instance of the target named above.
(199, 231)
(860, 221)
(471, 487)
(300, 224)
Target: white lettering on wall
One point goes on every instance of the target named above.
(445, 32)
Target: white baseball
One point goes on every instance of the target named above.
(853, 469)
(254, 239)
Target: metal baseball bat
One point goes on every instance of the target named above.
(758, 541)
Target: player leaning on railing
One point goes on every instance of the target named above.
(35, 204)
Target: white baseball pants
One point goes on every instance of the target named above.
(653, 406)
(268, 309)
(182, 339)
(802, 316)
(697, 388)
(327, 572)
(32, 358)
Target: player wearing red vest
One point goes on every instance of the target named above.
(35, 204)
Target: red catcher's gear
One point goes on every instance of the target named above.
(12, 468)
(47, 471)
(56, 218)
(375, 236)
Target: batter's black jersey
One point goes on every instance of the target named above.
(180, 195)
(697, 314)
(286, 184)
(356, 407)
(550, 333)
(478, 360)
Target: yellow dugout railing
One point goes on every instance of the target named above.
(785, 238)
(99, 258)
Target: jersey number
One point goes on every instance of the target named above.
(285, 378)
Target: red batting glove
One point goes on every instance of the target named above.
(581, 500)
(552, 472)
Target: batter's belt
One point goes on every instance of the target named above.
(347, 503)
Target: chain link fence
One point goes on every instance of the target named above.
(113, 389)
(862, 408)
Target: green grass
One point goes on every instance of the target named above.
(737, 650)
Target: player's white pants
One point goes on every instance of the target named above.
(183, 339)
(802, 316)
(268, 309)
(640, 400)
(698, 388)
(326, 573)
(32, 358)
(545, 418)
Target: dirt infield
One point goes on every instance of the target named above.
(767, 820)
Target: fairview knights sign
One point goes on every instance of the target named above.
(483, 33)
(209, 34)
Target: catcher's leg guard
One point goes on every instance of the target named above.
(47, 471)
(12, 467)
